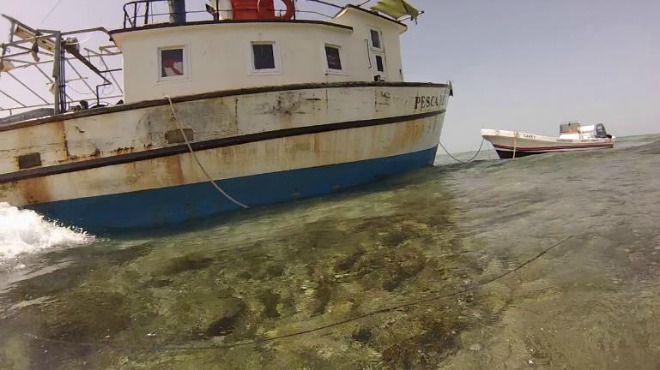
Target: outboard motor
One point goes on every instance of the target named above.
(599, 131)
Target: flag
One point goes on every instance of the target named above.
(396, 9)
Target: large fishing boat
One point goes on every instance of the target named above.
(239, 104)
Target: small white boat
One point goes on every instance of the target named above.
(573, 136)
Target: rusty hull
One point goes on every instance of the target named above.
(125, 132)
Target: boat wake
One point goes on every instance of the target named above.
(24, 232)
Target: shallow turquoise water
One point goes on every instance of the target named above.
(547, 261)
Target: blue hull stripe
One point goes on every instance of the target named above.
(173, 205)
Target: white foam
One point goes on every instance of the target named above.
(27, 232)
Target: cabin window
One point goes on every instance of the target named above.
(263, 57)
(333, 58)
(379, 63)
(375, 39)
(172, 62)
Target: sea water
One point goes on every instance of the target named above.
(548, 261)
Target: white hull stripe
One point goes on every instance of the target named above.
(212, 95)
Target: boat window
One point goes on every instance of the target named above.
(333, 57)
(375, 39)
(172, 62)
(379, 63)
(263, 56)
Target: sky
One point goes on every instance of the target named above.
(524, 65)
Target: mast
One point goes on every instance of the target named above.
(58, 75)
(177, 11)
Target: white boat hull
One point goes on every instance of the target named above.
(512, 144)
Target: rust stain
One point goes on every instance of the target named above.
(61, 133)
(317, 145)
(227, 155)
(271, 148)
(35, 190)
(406, 134)
(75, 158)
(381, 99)
(173, 169)
(6, 189)
(24, 138)
(236, 110)
(300, 145)
(243, 152)
(287, 104)
(176, 136)
(51, 134)
(120, 151)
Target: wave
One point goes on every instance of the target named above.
(27, 232)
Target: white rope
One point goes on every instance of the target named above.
(515, 136)
(176, 120)
(458, 160)
(50, 12)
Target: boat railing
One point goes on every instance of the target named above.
(140, 13)
(147, 12)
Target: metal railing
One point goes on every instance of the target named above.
(141, 13)
(145, 12)
(40, 69)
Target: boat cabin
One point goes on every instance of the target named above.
(166, 48)
(574, 130)
(246, 44)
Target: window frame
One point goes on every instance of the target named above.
(329, 70)
(276, 58)
(382, 62)
(377, 52)
(380, 39)
(186, 63)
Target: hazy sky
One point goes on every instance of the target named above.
(516, 64)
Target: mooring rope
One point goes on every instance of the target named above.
(515, 137)
(201, 167)
(430, 298)
(458, 160)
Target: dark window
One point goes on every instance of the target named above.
(379, 63)
(263, 56)
(332, 56)
(171, 62)
(375, 39)
(29, 160)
